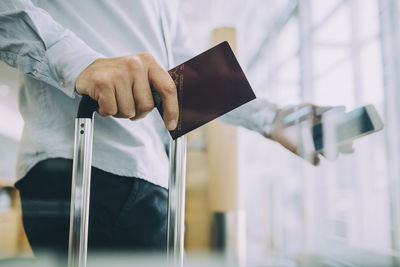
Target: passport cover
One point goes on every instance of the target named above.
(209, 85)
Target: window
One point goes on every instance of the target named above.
(340, 209)
(333, 52)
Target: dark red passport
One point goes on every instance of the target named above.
(209, 85)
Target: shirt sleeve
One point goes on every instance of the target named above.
(35, 44)
(257, 115)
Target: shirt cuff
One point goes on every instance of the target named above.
(257, 115)
(67, 58)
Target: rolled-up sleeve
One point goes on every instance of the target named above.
(35, 44)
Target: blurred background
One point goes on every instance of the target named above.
(248, 200)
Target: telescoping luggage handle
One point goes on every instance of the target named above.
(80, 190)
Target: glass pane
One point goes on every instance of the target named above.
(371, 74)
(286, 94)
(369, 18)
(336, 86)
(320, 9)
(327, 57)
(337, 29)
(287, 42)
(289, 73)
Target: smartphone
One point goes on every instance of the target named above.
(346, 127)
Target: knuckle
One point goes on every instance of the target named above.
(111, 111)
(107, 112)
(134, 62)
(145, 107)
(127, 113)
(147, 56)
(100, 79)
(104, 113)
(169, 89)
(124, 115)
(107, 104)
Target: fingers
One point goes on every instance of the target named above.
(300, 142)
(286, 143)
(114, 97)
(127, 94)
(121, 86)
(312, 158)
(165, 86)
(315, 159)
(142, 95)
(125, 100)
(102, 90)
(107, 103)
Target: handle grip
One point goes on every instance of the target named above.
(87, 107)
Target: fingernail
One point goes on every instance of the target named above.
(171, 125)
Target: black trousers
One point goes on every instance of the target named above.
(126, 214)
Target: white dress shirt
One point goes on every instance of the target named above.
(52, 42)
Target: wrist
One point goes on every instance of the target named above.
(67, 59)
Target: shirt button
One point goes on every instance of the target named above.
(62, 83)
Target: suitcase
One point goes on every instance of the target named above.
(80, 191)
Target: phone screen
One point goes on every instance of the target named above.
(348, 126)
